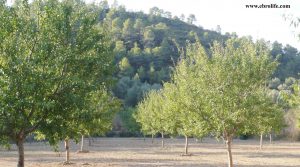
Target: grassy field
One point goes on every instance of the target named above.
(136, 152)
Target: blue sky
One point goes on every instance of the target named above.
(232, 16)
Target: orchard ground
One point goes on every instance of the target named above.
(136, 152)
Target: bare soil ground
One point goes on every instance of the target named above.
(135, 152)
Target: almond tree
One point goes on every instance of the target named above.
(271, 120)
(152, 117)
(187, 119)
(230, 85)
(94, 119)
(52, 55)
(97, 118)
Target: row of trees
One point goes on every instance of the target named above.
(222, 93)
(56, 69)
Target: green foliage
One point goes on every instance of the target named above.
(98, 116)
(53, 56)
(119, 49)
(128, 120)
(225, 87)
(139, 26)
(127, 28)
(132, 90)
(289, 60)
(185, 120)
(135, 50)
(133, 95)
(137, 92)
(122, 86)
(293, 96)
(125, 67)
(124, 64)
(149, 38)
(231, 84)
(222, 93)
(269, 116)
(151, 114)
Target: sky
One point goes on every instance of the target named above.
(232, 16)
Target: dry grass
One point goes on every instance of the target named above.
(136, 152)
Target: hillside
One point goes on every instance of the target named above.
(147, 48)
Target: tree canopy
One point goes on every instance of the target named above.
(53, 54)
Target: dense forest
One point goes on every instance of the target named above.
(148, 46)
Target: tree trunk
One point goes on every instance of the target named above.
(186, 145)
(228, 143)
(162, 140)
(20, 145)
(261, 141)
(67, 147)
(90, 141)
(152, 139)
(82, 143)
(270, 138)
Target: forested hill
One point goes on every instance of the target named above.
(146, 48)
